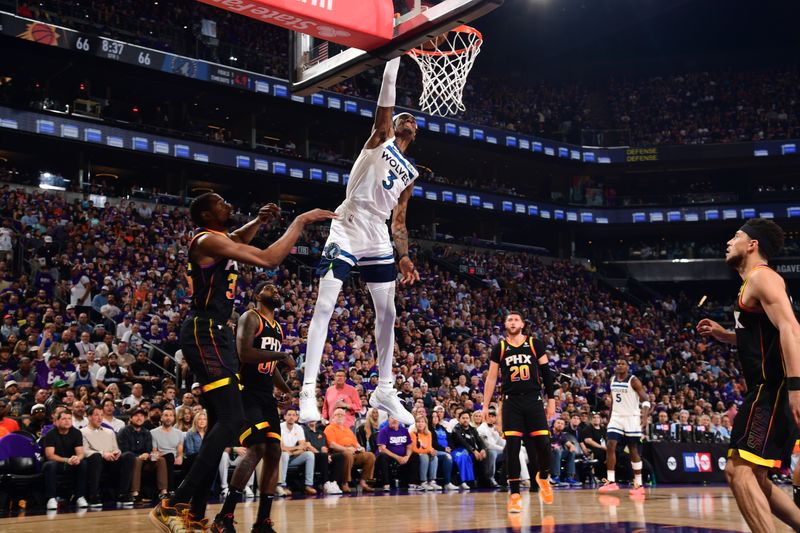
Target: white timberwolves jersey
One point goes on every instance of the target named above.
(625, 400)
(378, 177)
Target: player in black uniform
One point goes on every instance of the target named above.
(767, 337)
(207, 344)
(525, 372)
(258, 342)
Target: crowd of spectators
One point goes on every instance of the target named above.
(677, 108)
(89, 339)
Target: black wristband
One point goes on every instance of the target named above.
(793, 383)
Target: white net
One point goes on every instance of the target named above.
(445, 65)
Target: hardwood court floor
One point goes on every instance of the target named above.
(697, 509)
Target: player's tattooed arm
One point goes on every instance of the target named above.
(408, 271)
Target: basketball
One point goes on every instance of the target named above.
(44, 34)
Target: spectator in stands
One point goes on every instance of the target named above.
(341, 440)
(136, 444)
(135, 399)
(593, 438)
(112, 372)
(194, 437)
(494, 443)
(341, 395)
(82, 376)
(37, 421)
(185, 418)
(168, 443)
(395, 449)
(368, 432)
(469, 451)
(564, 449)
(442, 445)
(79, 418)
(422, 446)
(109, 420)
(63, 451)
(84, 345)
(294, 453)
(324, 461)
(25, 375)
(104, 456)
(681, 430)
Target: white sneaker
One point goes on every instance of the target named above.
(52, 504)
(224, 493)
(432, 485)
(333, 488)
(465, 486)
(415, 487)
(281, 491)
(248, 493)
(425, 485)
(308, 406)
(450, 486)
(385, 399)
(81, 502)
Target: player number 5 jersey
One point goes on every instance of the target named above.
(378, 177)
(625, 400)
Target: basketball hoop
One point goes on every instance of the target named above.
(445, 63)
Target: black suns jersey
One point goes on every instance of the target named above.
(758, 343)
(519, 366)
(257, 378)
(213, 286)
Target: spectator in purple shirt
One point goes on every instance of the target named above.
(394, 448)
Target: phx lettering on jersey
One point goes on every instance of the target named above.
(519, 359)
(399, 167)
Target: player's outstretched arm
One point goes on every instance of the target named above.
(266, 214)
(383, 128)
(708, 327)
(639, 388)
(212, 245)
(245, 331)
(408, 272)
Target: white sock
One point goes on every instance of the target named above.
(637, 480)
(385, 314)
(318, 330)
(637, 473)
(612, 475)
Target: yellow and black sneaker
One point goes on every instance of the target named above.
(169, 518)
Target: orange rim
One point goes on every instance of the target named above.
(459, 29)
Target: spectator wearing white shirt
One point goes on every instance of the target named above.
(81, 293)
(295, 452)
(132, 402)
(108, 419)
(124, 326)
(495, 444)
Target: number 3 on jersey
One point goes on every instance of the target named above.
(231, 292)
(389, 182)
(520, 373)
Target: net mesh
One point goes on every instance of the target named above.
(445, 66)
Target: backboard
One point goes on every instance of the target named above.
(326, 58)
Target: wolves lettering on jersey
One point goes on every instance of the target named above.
(213, 286)
(519, 366)
(377, 179)
(257, 378)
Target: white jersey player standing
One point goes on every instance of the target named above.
(380, 186)
(628, 419)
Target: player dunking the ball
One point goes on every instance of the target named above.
(207, 344)
(526, 374)
(258, 343)
(767, 338)
(628, 419)
(380, 186)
